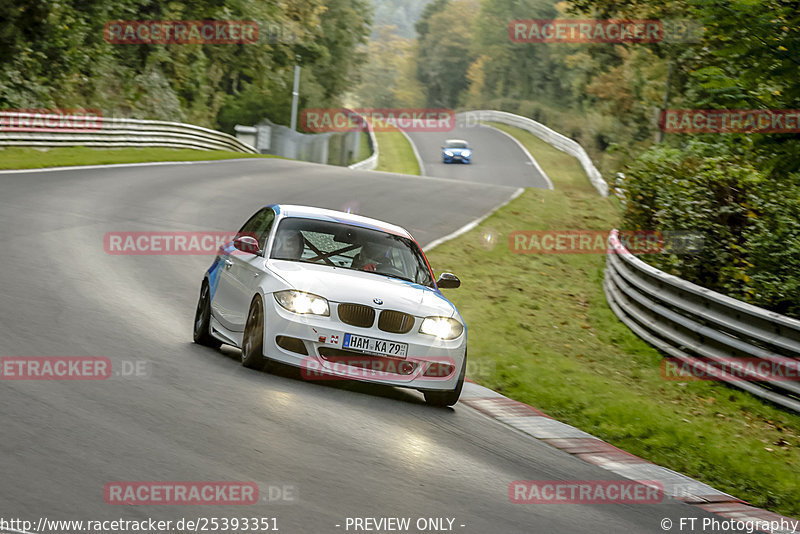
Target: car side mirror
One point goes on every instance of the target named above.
(448, 281)
(246, 243)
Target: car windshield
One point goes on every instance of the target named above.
(350, 247)
(455, 144)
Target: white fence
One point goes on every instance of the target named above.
(551, 137)
(371, 162)
(43, 130)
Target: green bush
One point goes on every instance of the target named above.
(749, 224)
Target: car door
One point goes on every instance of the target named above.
(240, 272)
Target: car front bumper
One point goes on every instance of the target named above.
(322, 340)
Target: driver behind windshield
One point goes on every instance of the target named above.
(371, 256)
(288, 245)
(351, 247)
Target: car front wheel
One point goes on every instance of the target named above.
(253, 338)
(448, 398)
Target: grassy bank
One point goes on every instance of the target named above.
(395, 153)
(32, 158)
(542, 333)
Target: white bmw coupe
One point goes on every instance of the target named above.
(338, 295)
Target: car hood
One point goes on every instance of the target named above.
(338, 284)
(456, 151)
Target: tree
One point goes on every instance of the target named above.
(53, 54)
(445, 51)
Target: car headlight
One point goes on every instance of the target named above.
(466, 153)
(301, 302)
(448, 152)
(441, 327)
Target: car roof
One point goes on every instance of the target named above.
(456, 141)
(309, 212)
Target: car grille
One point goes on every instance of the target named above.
(356, 314)
(395, 322)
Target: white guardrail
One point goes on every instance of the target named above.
(551, 137)
(371, 162)
(43, 130)
(714, 335)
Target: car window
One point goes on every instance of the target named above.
(455, 144)
(259, 226)
(348, 246)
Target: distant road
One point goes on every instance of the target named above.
(497, 159)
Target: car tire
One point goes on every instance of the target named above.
(253, 337)
(202, 320)
(448, 398)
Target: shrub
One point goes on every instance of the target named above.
(750, 225)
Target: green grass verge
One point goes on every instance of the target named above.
(395, 153)
(541, 332)
(363, 148)
(31, 158)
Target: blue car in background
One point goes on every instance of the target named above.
(456, 151)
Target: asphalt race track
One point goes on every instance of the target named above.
(496, 158)
(345, 450)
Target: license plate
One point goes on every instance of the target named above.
(375, 346)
